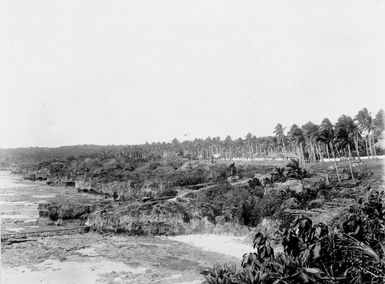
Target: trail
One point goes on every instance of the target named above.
(182, 193)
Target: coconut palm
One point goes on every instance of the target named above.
(278, 131)
(379, 124)
(345, 132)
(326, 136)
(228, 143)
(249, 143)
(366, 126)
(297, 139)
(310, 131)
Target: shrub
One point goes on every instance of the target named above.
(294, 170)
(220, 274)
(353, 252)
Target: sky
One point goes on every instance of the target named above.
(130, 72)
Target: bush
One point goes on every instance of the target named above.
(295, 171)
(353, 252)
(188, 177)
(220, 274)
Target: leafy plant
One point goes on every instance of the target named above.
(351, 252)
(294, 170)
(279, 175)
(220, 274)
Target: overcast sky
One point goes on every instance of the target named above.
(127, 72)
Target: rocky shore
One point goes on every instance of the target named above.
(93, 257)
(220, 207)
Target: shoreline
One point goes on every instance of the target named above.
(76, 258)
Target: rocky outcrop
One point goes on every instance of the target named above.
(164, 218)
(50, 212)
(126, 191)
(122, 191)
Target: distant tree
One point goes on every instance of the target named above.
(345, 133)
(297, 139)
(310, 131)
(228, 146)
(326, 136)
(379, 124)
(249, 143)
(366, 126)
(279, 133)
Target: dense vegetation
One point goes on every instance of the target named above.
(350, 251)
(311, 142)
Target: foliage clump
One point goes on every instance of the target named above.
(351, 252)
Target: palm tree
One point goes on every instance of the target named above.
(249, 143)
(366, 125)
(310, 131)
(379, 124)
(228, 147)
(345, 132)
(326, 136)
(297, 139)
(278, 131)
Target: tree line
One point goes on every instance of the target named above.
(347, 137)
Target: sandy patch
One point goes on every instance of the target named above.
(229, 245)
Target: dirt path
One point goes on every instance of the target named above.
(184, 192)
